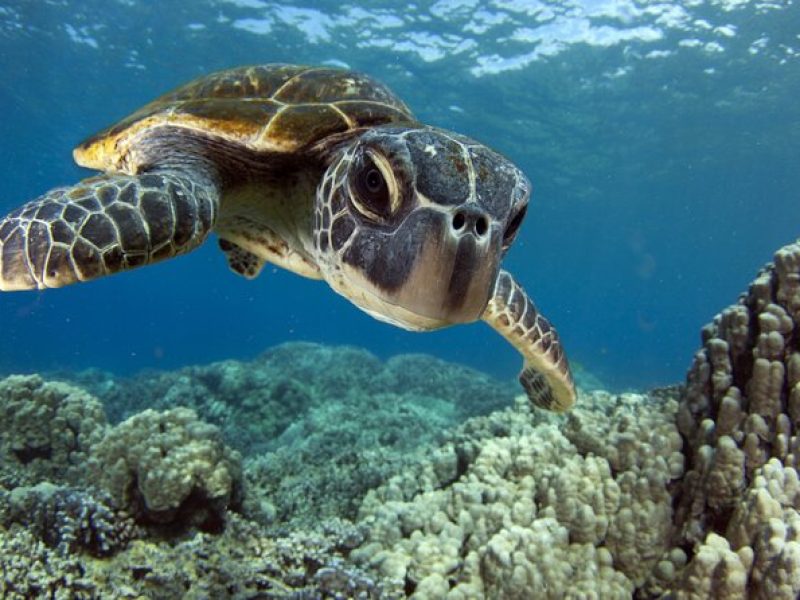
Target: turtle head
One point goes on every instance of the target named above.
(411, 224)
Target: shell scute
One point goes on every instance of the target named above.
(366, 114)
(330, 85)
(240, 82)
(228, 116)
(301, 125)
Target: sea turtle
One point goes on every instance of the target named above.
(322, 171)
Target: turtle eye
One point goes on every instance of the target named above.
(373, 194)
(513, 227)
(374, 183)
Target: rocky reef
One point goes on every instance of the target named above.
(316, 472)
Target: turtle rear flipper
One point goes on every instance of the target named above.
(245, 263)
(104, 225)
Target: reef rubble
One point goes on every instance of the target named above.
(280, 479)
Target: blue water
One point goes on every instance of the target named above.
(661, 139)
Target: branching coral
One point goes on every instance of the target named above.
(66, 519)
(32, 570)
(241, 562)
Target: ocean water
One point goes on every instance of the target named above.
(661, 139)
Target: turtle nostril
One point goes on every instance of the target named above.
(481, 226)
(470, 221)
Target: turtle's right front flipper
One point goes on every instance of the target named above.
(104, 225)
(545, 374)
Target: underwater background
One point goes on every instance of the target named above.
(661, 140)
(181, 432)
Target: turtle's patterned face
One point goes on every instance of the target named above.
(411, 224)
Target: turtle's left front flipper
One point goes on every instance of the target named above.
(545, 375)
(104, 225)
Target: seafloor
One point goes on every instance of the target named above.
(318, 472)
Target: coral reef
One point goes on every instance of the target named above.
(66, 519)
(46, 430)
(255, 402)
(329, 458)
(32, 570)
(740, 415)
(320, 426)
(169, 466)
(240, 562)
(167, 470)
(509, 505)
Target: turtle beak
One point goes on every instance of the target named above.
(454, 275)
(438, 269)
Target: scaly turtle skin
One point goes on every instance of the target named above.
(322, 171)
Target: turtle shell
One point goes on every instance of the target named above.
(270, 108)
